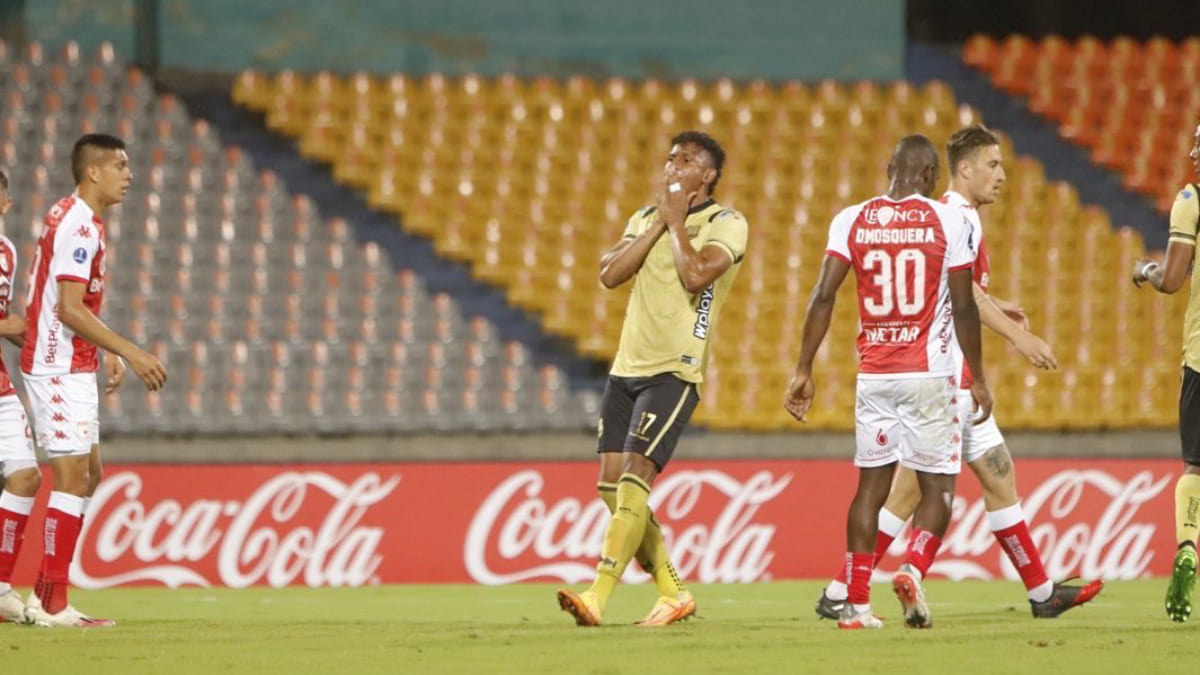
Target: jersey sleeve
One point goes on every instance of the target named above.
(962, 242)
(75, 245)
(1184, 214)
(637, 222)
(730, 231)
(839, 234)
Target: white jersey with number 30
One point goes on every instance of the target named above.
(902, 252)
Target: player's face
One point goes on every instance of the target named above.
(1195, 153)
(987, 175)
(114, 176)
(687, 164)
(5, 202)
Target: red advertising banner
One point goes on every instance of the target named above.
(506, 522)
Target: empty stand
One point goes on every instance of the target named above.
(1131, 104)
(270, 318)
(528, 181)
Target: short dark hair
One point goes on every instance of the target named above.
(710, 145)
(3, 180)
(100, 141)
(966, 141)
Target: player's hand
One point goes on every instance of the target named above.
(799, 397)
(1036, 350)
(983, 401)
(115, 366)
(673, 203)
(147, 367)
(1142, 269)
(1013, 311)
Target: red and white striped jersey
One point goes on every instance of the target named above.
(8, 285)
(981, 270)
(902, 252)
(71, 248)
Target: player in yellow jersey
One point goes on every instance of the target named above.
(682, 255)
(1169, 277)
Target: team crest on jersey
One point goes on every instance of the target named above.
(80, 255)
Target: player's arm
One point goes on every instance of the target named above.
(817, 318)
(967, 330)
(76, 316)
(621, 262)
(697, 269)
(1011, 309)
(1029, 345)
(12, 327)
(1170, 275)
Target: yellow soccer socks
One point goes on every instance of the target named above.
(652, 554)
(623, 537)
(1187, 508)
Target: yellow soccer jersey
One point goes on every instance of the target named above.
(1184, 214)
(667, 329)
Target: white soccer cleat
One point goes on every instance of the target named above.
(12, 609)
(859, 621)
(912, 598)
(69, 617)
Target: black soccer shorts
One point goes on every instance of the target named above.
(1189, 416)
(645, 415)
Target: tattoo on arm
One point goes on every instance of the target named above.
(998, 461)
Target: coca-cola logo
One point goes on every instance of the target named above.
(261, 539)
(707, 516)
(1086, 523)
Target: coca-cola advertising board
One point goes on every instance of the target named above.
(506, 522)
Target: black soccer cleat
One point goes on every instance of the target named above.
(828, 608)
(1065, 597)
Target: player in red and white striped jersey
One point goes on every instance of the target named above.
(21, 475)
(912, 258)
(61, 356)
(976, 174)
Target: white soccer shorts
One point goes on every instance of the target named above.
(977, 438)
(66, 412)
(16, 443)
(913, 421)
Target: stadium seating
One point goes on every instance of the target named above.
(269, 318)
(1131, 104)
(529, 180)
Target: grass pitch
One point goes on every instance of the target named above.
(760, 628)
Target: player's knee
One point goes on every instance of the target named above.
(95, 475)
(640, 466)
(24, 483)
(72, 475)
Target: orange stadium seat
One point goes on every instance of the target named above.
(1122, 99)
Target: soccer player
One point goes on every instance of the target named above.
(61, 356)
(976, 174)
(683, 256)
(912, 258)
(21, 475)
(1169, 277)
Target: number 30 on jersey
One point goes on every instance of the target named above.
(892, 275)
